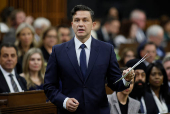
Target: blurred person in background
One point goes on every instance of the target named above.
(126, 55)
(148, 105)
(166, 64)
(155, 34)
(121, 103)
(157, 85)
(165, 23)
(24, 41)
(63, 33)
(49, 39)
(40, 24)
(17, 17)
(34, 69)
(10, 81)
(109, 29)
(139, 17)
(113, 12)
(127, 33)
(150, 49)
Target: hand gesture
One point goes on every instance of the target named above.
(72, 104)
(130, 76)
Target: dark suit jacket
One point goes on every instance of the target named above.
(100, 35)
(150, 104)
(90, 92)
(4, 86)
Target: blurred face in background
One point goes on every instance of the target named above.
(151, 50)
(50, 39)
(141, 20)
(64, 34)
(129, 90)
(167, 68)
(35, 62)
(155, 78)
(113, 12)
(133, 30)
(20, 18)
(129, 55)
(114, 27)
(140, 75)
(8, 58)
(157, 39)
(26, 37)
(167, 27)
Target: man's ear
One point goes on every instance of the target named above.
(93, 25)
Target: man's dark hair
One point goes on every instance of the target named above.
(82, 8)
(148, 43)
(8, 45)
(62, 26)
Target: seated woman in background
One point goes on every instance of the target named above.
(121, 103)
(127, 33)
(126, 55)
(157, 85)
(24, 41)
(49, 39)
(34, 69)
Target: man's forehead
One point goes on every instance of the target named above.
(82, 14)
(140, 70)
(8, 50)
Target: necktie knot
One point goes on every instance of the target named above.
(10, 75)
(82, 46)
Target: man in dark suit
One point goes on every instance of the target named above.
(148, 105)
(9, 80)
(82, 64)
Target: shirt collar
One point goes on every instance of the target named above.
(78, 43)
(7, 73)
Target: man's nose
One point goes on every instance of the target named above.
(81, 23)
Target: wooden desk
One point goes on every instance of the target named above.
(31, 102)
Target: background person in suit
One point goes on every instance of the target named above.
(139, 93)
(9, 80)
(121, 103)
(83, 64)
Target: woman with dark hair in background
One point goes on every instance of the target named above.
(126, 55)
(157, 85)
(48, 40)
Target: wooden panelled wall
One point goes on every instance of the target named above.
(54, 10)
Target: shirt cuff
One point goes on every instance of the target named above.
(126, 83)
(64, 103)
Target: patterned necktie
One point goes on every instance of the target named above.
(14, 85)
(83, 65)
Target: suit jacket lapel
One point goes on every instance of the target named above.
(93, 56)
(3, 82)
(115, 102)
(131, 106)
(70, 49)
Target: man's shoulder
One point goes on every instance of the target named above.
(102, 43)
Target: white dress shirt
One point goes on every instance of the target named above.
(8, 79)
(87, 51)
(160, 103)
